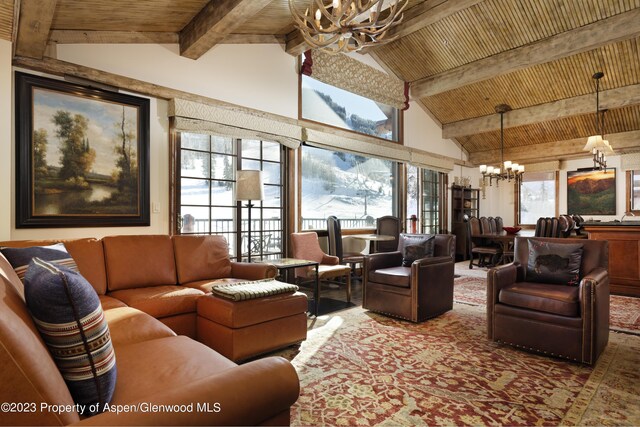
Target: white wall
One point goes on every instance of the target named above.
(6, 141)
(262, 77)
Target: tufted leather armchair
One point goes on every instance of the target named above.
(415, 293)
(559, 320)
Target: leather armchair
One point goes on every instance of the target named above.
(415, 293)
(559, 320)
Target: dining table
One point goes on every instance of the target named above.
(504, 240)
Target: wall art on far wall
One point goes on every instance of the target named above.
(591, 192)
(82, 155)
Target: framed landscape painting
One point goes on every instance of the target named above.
(82, 155)
(591, 192)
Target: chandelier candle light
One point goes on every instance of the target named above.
(347, 25)
(596, 144)
(511, 170)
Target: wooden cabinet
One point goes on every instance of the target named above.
(624, 255)
(464, 201)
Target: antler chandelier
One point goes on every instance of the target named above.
(511, 170)
(347, 25)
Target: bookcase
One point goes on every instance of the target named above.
(464, 201)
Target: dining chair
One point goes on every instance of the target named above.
(499, 224)
(306, 246)
(493, 224)
(480, 246)
(334, 230)
(390, 226)
(485, 225)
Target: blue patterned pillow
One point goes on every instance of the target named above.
(19, 257)
(68, 314)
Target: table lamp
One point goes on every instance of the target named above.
(249, 187)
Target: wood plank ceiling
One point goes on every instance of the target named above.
(462, 58)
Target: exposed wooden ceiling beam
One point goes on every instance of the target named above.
(214, 22)
(295, 44)
(253, 39)
(624, 142)
(77, 36)
(610, 30)
(613, 98)
(425, 14)
(33, 27)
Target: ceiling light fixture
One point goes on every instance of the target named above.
(511, 170)
(347, 25)
(596, 144)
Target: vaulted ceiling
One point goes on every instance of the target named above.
(462, 58)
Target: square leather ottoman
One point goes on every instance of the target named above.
(242, 329)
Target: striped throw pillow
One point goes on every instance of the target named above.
(19, 257)
(69, 317)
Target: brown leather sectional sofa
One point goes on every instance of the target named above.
(149, 286)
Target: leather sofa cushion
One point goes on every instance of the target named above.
(550, 298)
(152, 366)
(109, 303)
(415, 247)
(129, 325)
(139, 261)
(160, 301)
(201, 257)
(87, 253)
(393, 276)
(238, 314)
(206, 285)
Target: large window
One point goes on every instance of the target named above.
(537, 197)
(205, 187)
(330, 105)
(354, 188)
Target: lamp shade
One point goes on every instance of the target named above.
(249, 185)
(594, 141)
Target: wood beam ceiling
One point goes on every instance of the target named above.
(214, 22)
(624, 142)
(34, 24)
(425, 14)
(613, 98)
(122, 37)
(610, 30)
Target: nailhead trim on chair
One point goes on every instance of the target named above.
(537, 351)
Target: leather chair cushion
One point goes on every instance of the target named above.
(129, 325)
(557, 263)
(416, 247)
(160, 301)
(394, 276)
(550, 298)
(201, 257)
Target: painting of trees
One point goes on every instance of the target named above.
(83, 161)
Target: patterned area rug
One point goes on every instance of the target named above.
(624, 311)
(360, 368)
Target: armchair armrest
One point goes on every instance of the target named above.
(330, 260)
(245, 395)
(252, 270)
(382, 260)
(594, 307)
(497, 278)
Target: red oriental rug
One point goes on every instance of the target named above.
(360, 368)
(624, 311)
